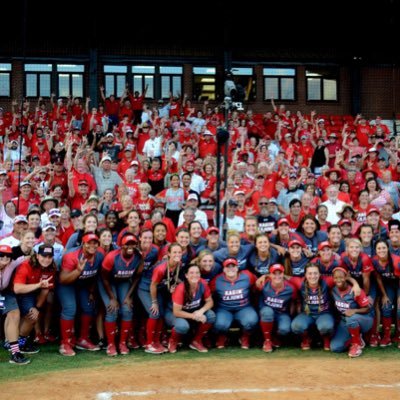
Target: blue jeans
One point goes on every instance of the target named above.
(145, 298)
(247, 318)
(282, 320)
(387, 309)
(183, 325)
(26, 302)
(324, 323)
(72, 295)
(120, 290)
(342, 336)
(10, 303)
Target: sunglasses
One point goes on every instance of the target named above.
(262, 204)
(5, 255)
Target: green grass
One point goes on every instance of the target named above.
(48, 360)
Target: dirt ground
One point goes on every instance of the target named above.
(172, 380)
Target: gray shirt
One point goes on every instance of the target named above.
(105, 180)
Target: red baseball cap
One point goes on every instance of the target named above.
(89, 237)
(295, 242)
(230, 261)
(5, 249)
(373, 210)
(212, 229)
(276, 267)
(322, 245)
(128, 238)
(282, 221)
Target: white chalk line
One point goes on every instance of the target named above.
(278, 389)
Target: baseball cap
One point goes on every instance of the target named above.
(54, 212)
(3, 172)
(321, 120)
(291, 176)
(48, 226)
(295, 242)
(89, 237)
(129, 147)
(82, 182)
(134, 162)
(207, 132)
(5, 249)
(76, 213)
(45, 250)
(276, 267)
(230, 261)
(324, 244)
(25, 183)
(128, 238)
(272, 200)
(239, 192)
(212, 229)
(373, 210)
(105, 158)
(344, 221)
(282, 221)
(192, 196)
(20, 218)
(93, 197)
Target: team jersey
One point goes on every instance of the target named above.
(89, 272)
(120, 268)
(261, 267)
(362, 265)
(201, 293)
(326, 269)
(149, 262)
(233, 296)
(242, 257)
(317, 299)
(312, 243)
(387, 271)
(278, 299)
(345, 300)
(298, 266)
(160, 276)
(26, 274)
(210, 275)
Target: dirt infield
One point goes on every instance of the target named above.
(310, 378)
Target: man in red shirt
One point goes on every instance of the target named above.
(207, 145)
(137, 104)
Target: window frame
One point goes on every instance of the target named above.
(335, 75)
(280, 77)
(114, 75)
(252, 75)
(7, 72)
(70, 74)
(204, 76)
(38, 73)
(170, 76)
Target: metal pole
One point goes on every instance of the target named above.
(23, 30)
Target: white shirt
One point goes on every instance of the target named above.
(333, 209)
(197, 183)
(236, 223)
(199, 215)
(10, 241)
(152, 147)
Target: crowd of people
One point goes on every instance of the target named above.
(108, 228)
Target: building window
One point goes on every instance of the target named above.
(115, 79)
(5, 78)
(322, 84)
(38, 80)
(70, 80)
(171, 81)
(204, 85)
(279, 83)
(143, 75)
(245, 83)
